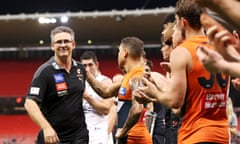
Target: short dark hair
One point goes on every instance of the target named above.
(189, 10)
(170, 18)
(89, 55)
(135, 46)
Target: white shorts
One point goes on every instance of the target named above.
(98, 135)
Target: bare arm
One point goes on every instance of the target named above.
(101, 106)
(159, 81)
(233, 130)
(224, 42)
(132, 119)
(232, 68)
(112, 118)
(36, 115)
(103, 91)
(214, 62)
(172, 96)
(234, 124)
(135, 110)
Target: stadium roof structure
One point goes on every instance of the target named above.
(91, 28)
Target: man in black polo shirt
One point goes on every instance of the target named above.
(54, 99)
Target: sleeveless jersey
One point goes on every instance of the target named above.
(204, 118)
(139, 132)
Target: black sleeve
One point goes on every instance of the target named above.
(38, 86)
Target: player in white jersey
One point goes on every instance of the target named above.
(96, 109)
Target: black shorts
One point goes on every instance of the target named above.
(40, 140)
(122, 140)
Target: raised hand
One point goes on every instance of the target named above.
(211, 59)
(222, 40)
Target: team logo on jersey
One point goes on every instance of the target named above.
(214, 100)
(61, 89)
(62, 93)
(34, 90)
(58, 77)
(61, 86)
(122, 91)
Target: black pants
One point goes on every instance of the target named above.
(158, 139)
(122, 140)
(171, 135)
(40, 140)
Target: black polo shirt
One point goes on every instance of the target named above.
(59, 95)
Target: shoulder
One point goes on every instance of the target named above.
(43, 69)
(180, 58)
(180, 52)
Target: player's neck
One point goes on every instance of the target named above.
(190, 33)
(133, 64)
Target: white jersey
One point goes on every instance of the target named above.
(97, 124)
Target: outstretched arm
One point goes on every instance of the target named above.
(214, 62)
(103, 91)
(224, 42)
(102, 106)
(132, 119)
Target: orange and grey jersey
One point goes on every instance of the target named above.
(125, 96)
(204, 118)
(139, 132)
